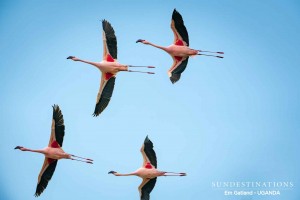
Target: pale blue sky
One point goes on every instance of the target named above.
(235, 119)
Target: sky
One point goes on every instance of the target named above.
(226, 120)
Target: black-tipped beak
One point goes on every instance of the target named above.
(70, 57)
(18, 147)
(112, 172)
(139, 40)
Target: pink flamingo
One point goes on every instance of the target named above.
(148, 171)
(53, 152)
(179, 50)
(109, 67)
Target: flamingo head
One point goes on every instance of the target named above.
(112, 172)
(19, 147)
(140, 40)
(73, 58)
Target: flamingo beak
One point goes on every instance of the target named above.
(139, 40)
(112, 172)
(70, 57)
(18, 147)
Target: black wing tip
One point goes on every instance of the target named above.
(56, 110)
(148, 141)
(99, 109)
(39, 190)
(175, 12)
(96, 114)
(37, 194)
(105, 23)
(174, 78)
(56, 107)
(100, 106)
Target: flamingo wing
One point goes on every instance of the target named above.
(57, 128)
(177, 68)
(146, 188)
(105, 92)
(110, 50)
(148, 153)
(181, 36)
(45, 175)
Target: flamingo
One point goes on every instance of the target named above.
(53, 152)
(148, 172)
(109, 67)
(179, 50)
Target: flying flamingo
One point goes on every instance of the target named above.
(179, 50)
(109, 67)
(53, 152)
(148, 171)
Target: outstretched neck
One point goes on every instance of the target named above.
(159, 47)
(130, 174)
(88, 62)
(33, 150)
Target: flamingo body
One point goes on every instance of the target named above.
(148, 173)
(55, 153)
(110, 67)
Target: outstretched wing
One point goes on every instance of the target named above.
(110, 50)
(146, 188)
(56, 141)
(148, 153)
(181, 36)
(177, 68)
(57, 128)
(105, 92)
(45, 175)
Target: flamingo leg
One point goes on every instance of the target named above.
(140, 72)
(174, 174)
(82, 157)
(141, 66)
(219, 52)
(90, 162)
(200, 54)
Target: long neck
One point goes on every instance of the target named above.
(88, 62)
(34, 150)
(159, 47)
(130, 174)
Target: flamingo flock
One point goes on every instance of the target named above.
(109, 67)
